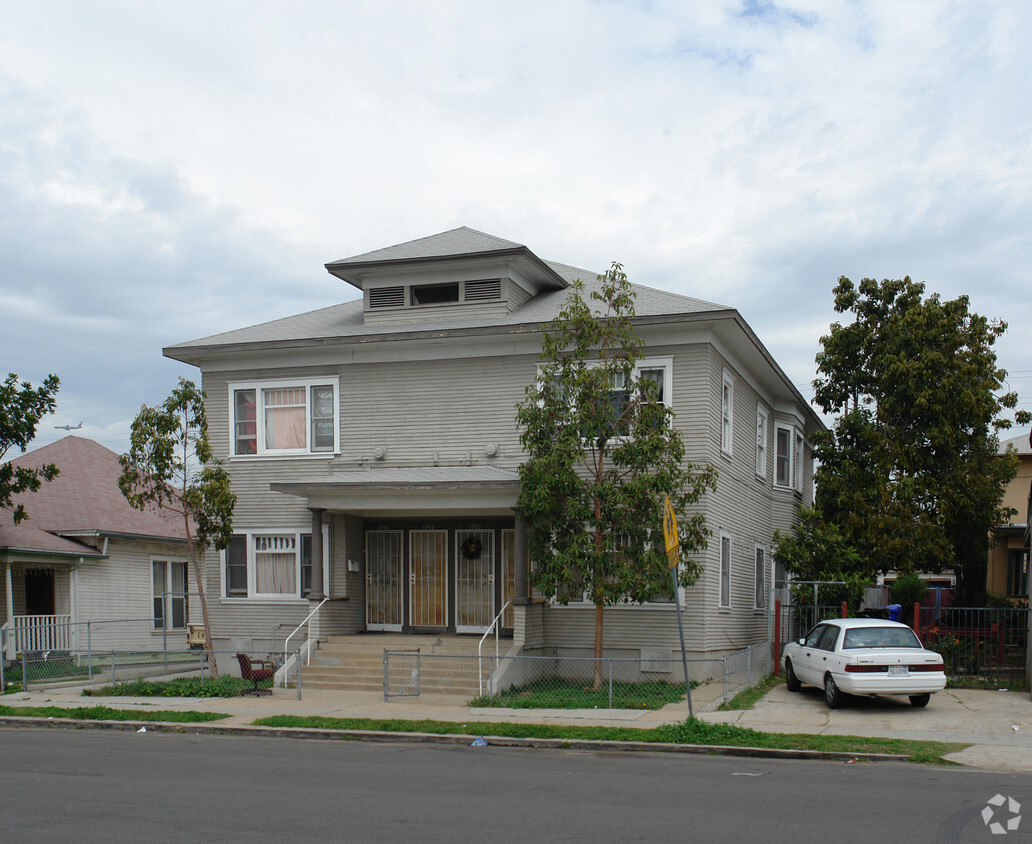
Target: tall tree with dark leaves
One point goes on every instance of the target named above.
(909, 473)
(21, 408)
(602, 451)
(170, 464)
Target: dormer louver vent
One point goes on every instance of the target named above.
(386, 297)
(485, 289)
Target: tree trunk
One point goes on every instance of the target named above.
(597, 684)
(213, 665)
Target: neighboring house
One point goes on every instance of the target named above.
(373, 450)
(1009, 557)
(84, 555)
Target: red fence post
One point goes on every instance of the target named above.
(917, 617)
(777, 638)
(845, 610)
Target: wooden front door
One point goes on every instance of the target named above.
(428, 578)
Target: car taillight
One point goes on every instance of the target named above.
(927, 666)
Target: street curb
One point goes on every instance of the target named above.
(447, 738)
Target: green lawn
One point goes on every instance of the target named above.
(692, 731)
(105, 713)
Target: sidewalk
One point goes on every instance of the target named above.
(997, 724)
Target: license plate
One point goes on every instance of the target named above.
(899, 671)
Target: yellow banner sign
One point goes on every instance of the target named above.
(670, 532)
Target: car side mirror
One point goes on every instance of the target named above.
(802, 641)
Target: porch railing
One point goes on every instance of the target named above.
(38, 633)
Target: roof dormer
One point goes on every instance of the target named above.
(459, 273)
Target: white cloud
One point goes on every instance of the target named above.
(171, 171)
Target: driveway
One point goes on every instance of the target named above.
(998, 723)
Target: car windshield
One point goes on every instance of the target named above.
(881, 637)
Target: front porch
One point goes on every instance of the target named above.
(442, 549)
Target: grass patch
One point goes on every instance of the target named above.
(183, 687)
(692, 731)
(560, 693)
(747, 698)
(106, 713)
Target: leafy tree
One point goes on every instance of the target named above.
(817, 552)
(910, 473)
(601, 453)
(21, 408)
(170, 464)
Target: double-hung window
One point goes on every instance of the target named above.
(168, 586)
(727, 398)
(761, 442)
(285, 417)
(270, 564)
(725, 570)
(760, 574)
(784, 455)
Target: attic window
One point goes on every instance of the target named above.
(435, 294)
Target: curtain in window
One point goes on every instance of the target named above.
(275, 561)
(285, 418)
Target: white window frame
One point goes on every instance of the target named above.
(726, 551)
(252, 571)
(168, 596)
(260, 387)
(762, 435)
(790, 482)
(760, 576)
(666, 364)
(798, 449)
(727, 403)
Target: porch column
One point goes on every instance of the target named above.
(317, 555)
(522, 593)
(10, 591)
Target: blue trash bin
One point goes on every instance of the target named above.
(894, 611)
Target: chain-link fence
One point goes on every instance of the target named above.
(564, 682)
(137, 672)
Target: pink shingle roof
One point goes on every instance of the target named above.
(83, 498)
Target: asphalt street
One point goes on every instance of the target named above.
(69, 785)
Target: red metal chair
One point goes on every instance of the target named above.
(255, 671)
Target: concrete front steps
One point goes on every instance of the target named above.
(446, 664)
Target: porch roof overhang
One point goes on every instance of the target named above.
(415, 491)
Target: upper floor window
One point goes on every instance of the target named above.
(287, 417)
(761, 442)
(788, 456)
(727, 398)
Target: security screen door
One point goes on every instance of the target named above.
(428, 572)
(383, 579)
(474, 580)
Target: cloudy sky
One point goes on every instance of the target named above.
(168, 171)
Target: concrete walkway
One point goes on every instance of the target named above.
(997, 724)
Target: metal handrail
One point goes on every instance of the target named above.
(302, 624)
(494, 624)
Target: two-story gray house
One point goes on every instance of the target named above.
(373, 444)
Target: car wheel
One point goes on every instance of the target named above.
(920, 700)
(791, 681)
(832, 695)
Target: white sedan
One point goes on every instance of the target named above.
(863, 656)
